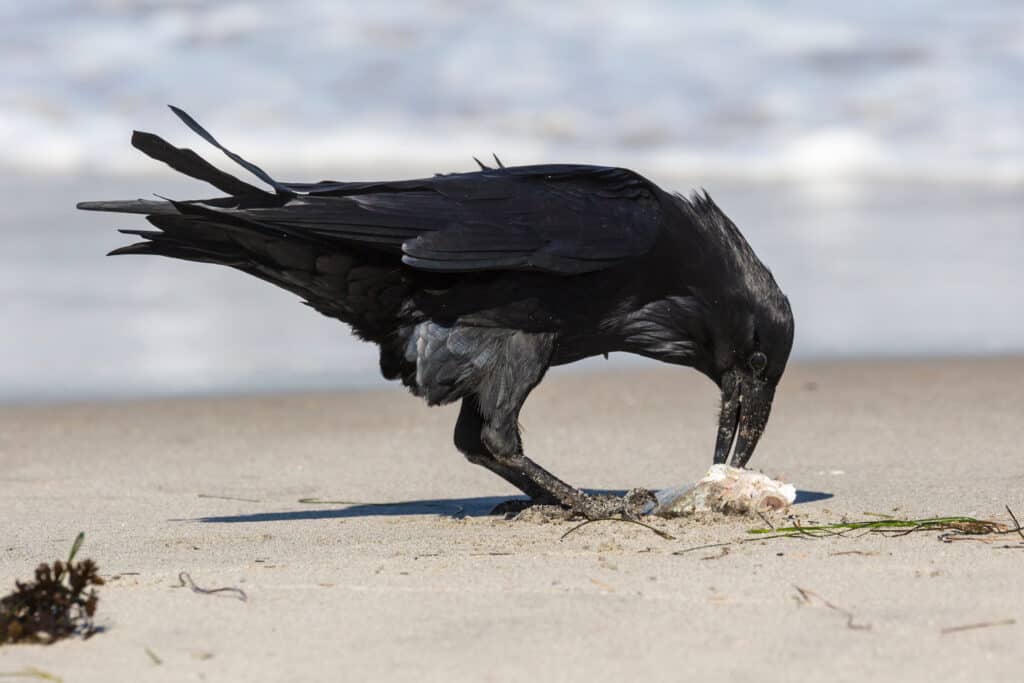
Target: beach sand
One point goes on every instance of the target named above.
(430, 588)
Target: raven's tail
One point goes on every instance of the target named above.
(362, 287)
(186, 229)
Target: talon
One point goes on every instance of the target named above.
(598, 507)
(637, 502)
(631, 506)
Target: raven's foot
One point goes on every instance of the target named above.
(638, 502)
(630, 506)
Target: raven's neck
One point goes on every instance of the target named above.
(666, 329)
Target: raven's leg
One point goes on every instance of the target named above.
(500, 395)
(467, 439)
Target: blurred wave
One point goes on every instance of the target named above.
(919, 89)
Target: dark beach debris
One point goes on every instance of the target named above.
(807, 597)
(187, 582)
(60, 602)
(982, 624)
(153, 657)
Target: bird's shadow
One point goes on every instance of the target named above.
(447, 507)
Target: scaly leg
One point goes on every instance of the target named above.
(499, 397)
(467, 440)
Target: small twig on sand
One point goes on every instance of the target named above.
(319, 501)
(1015, 523)
(32, 672)
(854, 552)
(659, 532)
(152, 656)
(704, 547)
(983, 624)
(805, 599)
(721, 553)
(492, 554)
(186, 580)
(244, 500)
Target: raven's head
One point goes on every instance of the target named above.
(747, 331)
(749, 361)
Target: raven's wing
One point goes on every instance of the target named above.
(558, 219)
(562, 219)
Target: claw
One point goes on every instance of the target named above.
(638, 502)
(633, 505)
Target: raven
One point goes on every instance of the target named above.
(473, 284)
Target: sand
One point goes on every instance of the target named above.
(432, 589)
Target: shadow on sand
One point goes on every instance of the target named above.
(449, 507)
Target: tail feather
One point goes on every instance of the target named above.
(243, 223)
(145, 206)
(191, 164)
(247, 165)
(163, 246)
(272, 236)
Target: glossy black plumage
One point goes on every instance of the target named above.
(473, 284)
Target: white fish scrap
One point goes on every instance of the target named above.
(728, 490)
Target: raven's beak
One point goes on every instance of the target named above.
(755, 405)
(746, 404)
(729, 417)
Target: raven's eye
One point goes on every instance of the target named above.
(758, 362)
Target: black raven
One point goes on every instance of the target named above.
(473, 284)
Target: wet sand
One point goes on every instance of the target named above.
(430, 588)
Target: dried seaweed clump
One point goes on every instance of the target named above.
(58, 604)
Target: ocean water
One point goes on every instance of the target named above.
(921, 88)
(873, 153)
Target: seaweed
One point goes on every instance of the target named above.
(956, 528)
(951, 528)
(60, 603)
